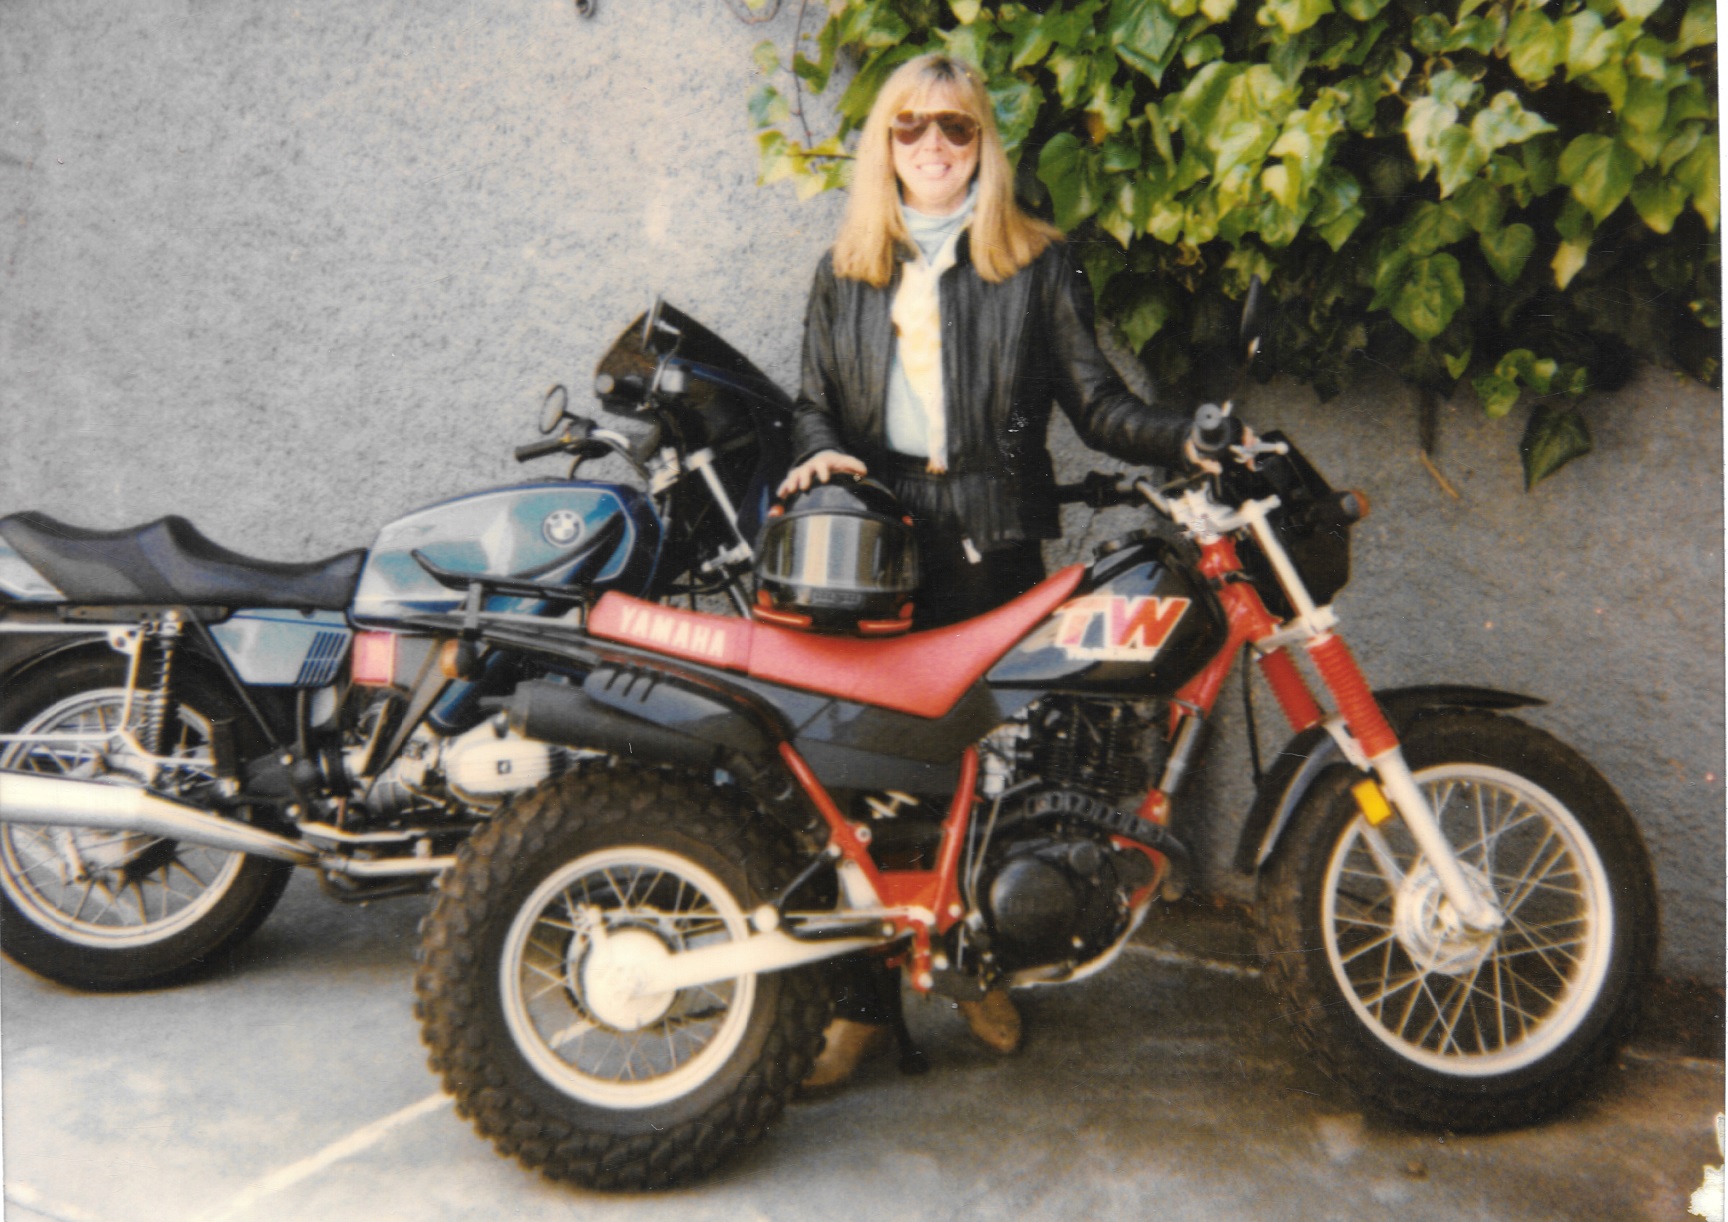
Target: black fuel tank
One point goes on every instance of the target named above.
(1141, 624)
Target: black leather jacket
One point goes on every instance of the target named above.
(1008, 351)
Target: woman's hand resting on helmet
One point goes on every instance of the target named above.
(819, 468)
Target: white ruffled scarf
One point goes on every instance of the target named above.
(917, 315)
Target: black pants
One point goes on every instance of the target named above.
(954, 587)
(958, 583)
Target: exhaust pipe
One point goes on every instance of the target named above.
(33, 797)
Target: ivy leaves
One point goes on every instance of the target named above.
(1491, 190)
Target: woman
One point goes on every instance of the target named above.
(942, 326)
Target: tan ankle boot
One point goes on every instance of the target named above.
(847, 1044)
(994, 1020)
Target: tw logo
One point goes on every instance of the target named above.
(1115, 628)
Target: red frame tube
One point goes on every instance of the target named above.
(936, 890)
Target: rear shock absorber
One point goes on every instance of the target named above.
(158, 713)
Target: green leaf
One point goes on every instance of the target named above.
(1071, 71)
(1433, 227)
(1679, 145)
(1459, 157)
(1453, 88)
(1362, 10)
(1600, 171)
(767, 107)
(1507, 250)
(1534, 47)
(1430, 294)
(1292, 16)
(1698, 27)
(1121, 153)
(1016, 103)
(1700, 172)
(1116, 217)
(1480, 205)
(1457, 363)
(1587, 43)
(1637, 10)
(1144, 316)
(1142, 32)
(1031, 42)
(1429, 33)
(1065, 167)
(1202, 50)
(1505, 121)
(1568, 261)
(965, 11)
(1479, 33)
(1497, 394)
(1425, 122)
(1218, 10)
(1658, 200)
(766, 57)
(1554, 437)
(1541, 159)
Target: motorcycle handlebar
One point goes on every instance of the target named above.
(539, 449)
(1098, 490)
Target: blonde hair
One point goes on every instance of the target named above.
(1003, 238)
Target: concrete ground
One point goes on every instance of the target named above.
(292, 1085)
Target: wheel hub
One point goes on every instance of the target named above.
(1430, 929)
(610, 976)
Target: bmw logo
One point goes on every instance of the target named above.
(562, 527)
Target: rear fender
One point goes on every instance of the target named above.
(1306, 756)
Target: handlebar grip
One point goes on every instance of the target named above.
(1097, 489)
(1212, 431)
(539, 449)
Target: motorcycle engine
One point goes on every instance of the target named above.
(1055, 890)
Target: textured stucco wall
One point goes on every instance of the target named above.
(291, 270)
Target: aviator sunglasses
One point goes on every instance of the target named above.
(957, 129)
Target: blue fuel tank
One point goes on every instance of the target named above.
(536, 532)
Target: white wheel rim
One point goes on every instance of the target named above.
(654, 1049)
(1507, 1000)
(74, 882)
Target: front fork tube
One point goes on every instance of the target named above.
(1368, 725)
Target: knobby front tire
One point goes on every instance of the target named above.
(575, 1080)
(1431, 1022)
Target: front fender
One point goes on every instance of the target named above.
(1310, 753)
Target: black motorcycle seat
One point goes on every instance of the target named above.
(171, 561)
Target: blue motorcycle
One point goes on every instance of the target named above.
(181, 725)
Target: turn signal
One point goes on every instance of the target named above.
(456, 659)
(1354, 504)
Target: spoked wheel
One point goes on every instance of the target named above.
(1412, 1009)
(526, 989)
(567, 967)
(104, 910)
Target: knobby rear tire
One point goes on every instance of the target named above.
(1425, 1022)
(551, 1073)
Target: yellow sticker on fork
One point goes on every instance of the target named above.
(1371, 801)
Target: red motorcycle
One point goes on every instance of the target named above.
(624, 976)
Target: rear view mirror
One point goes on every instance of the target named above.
(554, 409)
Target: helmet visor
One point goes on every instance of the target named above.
(840, 553)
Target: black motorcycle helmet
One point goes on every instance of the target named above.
(840, 557)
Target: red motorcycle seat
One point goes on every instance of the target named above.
(924, 673)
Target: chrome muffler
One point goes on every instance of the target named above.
(33, 797)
